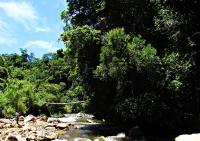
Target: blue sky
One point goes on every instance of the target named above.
(31, 24)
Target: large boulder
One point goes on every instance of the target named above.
(135, 132)
(192, 137)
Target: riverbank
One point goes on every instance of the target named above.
(71, 127)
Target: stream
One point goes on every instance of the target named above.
(96, 131)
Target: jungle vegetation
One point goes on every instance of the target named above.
(133, 61)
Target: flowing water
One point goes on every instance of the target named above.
(77, 135)
(96, 131)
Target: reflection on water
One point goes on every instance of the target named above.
(102, 133)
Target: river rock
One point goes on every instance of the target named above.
(43, 118)
(50, 129)
(47, 134)
(102, 138)
(81, 139)
(59, 140)
(7, 121)
(192, 137)
(31, 136)
(90, 121)
(51, 135)
(14, 138)
(63, 136)
(29, 118)
(50, 125)
(62, 125)
(1, 125)
(21, 118)
(88, 116)
(7, 125)
(52, 120)
(135, 132)
(41, 133)
(28, 127)
(68, 119)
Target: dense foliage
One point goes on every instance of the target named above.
(133, 61)
(147, 68)
(28, 84)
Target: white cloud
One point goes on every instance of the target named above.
(22, 12)
(42, 29)
(7, 40)
(49, 46)
(6, 36)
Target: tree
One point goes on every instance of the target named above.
(81, 55)
(16, 97)
(3, 74)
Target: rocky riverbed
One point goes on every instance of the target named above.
(72, 127)
(42, 128)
